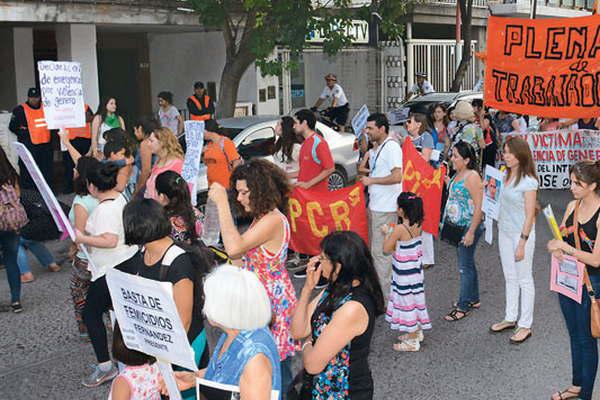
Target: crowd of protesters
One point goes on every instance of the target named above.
(133, 212)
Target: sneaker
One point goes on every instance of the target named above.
(16, 307)
(301, 273)
(98, 377)
(322, 283)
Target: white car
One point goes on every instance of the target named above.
(254, 136)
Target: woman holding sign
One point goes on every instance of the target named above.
(261, 190)
(582, 218)
(516, 238)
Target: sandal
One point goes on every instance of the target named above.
(456, 315)
(476, 305)
(518, 337)
(502, 326)
(410, 345)
(566, 394)
(405, 337)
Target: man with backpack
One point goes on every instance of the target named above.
(220, 157)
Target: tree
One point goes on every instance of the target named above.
(466, 13)
(253, 28)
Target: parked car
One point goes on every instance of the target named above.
(423, 104)
(254, 136)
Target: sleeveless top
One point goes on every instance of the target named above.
(581, 124)
(107, 124)
(347, 375)
(271, 271)
(143, 381)
(459, 207)
(588, 233)
(229, 367)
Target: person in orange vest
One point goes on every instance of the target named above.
(200, 105)
(81, 139)
(29, 124)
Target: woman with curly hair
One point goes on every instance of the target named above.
(261, 189)
(164, 144)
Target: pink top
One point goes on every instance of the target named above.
(143, 381)
(270, 269)
(175, 165)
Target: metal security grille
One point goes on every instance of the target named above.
(438, 58)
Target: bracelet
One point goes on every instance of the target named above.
(524, 236)
(305, 344)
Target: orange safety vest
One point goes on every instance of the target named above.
(83, 131)
(36, 124)
(204, 117)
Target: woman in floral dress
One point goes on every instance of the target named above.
(261, 189)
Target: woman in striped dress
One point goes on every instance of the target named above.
(406, 309)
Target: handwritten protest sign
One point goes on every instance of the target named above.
(148, 318)
(491, 196)
(194, 140)
(359, 121)
(62, 94)
(420, 178)
(313, 215)
(555, 151)
(544, 67)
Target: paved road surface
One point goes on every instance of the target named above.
(41, 356)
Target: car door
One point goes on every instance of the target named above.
(258, 143)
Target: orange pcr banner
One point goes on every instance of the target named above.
(544, 67)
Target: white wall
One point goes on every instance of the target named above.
(24, 65)
(177, 60)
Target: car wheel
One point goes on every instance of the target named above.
(337, 180)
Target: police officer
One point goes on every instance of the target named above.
(29, 124)
(421, 87)
(200, 105)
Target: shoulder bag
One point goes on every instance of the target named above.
(594, 302)
(12, 213)
(451, 233)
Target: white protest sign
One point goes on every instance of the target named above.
(492, 187)
(398, 115)
(194, 140)
(555, 151)
(359, 121)
(489, 230)
(166, 371)
(62, 94)
(60, 219)
(148, 318)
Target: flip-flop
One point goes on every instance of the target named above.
(571, 395)
(505, 325)
(520, 341)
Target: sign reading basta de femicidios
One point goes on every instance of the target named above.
(148, 318)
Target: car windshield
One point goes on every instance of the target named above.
(230, 132)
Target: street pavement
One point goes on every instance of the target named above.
(42, 357)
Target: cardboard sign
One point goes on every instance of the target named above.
(420, 178)
(566, 277)
(314, 214)
(492, 183)
(194, 140)
(62, 94)
(359, 121)
(554, 152)
(148, 318)
(544, 67)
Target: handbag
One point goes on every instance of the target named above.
(12, 213)
(594, 302)
(452, 233)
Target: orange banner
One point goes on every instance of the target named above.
(421, 178)
(544, 67)
(314, 214)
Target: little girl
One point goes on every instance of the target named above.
(139, 380)
(406, 310)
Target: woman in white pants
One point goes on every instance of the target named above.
(516, 238)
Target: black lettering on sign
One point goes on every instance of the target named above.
(514, 37)
(553, 43)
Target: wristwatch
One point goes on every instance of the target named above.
(524, 236)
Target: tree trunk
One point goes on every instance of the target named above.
(465, 17)
(230, 83)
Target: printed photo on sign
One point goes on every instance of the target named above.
(209, 390)
(492, 187)
(566, 277)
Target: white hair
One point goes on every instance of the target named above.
(236, 299)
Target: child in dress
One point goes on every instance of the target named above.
(139, 380)
(406, 309)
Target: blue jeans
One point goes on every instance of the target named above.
(9, 242)
(584, 350)
(39, 251)
(469, 284)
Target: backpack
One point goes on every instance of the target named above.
(13, 215)
(41, 226)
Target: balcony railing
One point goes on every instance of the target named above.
(570, 4)
(164, 4)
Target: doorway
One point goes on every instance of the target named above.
(117, 75)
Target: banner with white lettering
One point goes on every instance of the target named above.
(555, 151)
(148, 318)
(62, 94)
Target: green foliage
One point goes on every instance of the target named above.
(258, 26)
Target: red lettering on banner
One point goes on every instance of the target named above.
(421, 178)
(314, 214)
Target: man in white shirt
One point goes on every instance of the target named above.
(423, 86)
(333, 93)
(385, 185)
